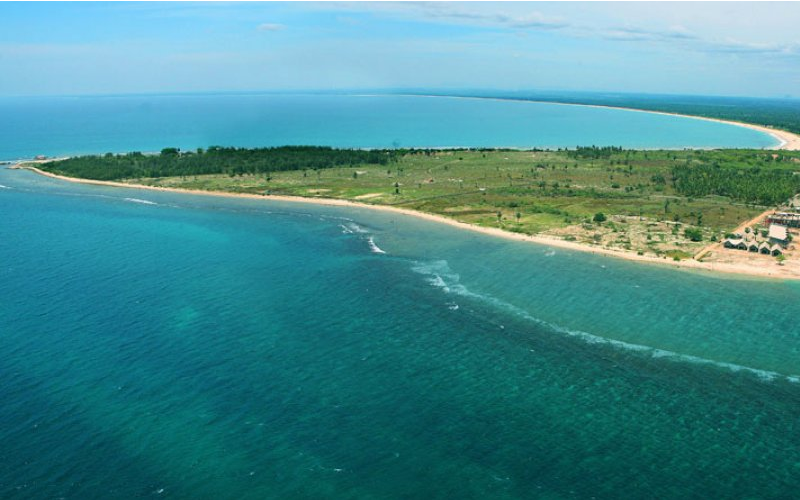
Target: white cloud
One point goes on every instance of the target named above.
(456, 12)
(635, 34)
(738, 47)
(495, 16)
(700, 28)
(270, 27)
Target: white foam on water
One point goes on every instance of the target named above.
(4, 187)
(350, 227)
(437, 272)
(355, 228)
(373, 247)
(441, 276)
(437, 281)
(138, 200)
(549, 253)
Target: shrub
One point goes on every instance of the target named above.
(693, 234)
(599, 217)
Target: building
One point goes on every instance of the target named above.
(778, 238)
(788, 219)
(778, 235)
(736, 243)
(763, 248)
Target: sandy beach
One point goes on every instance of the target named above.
(758, 268)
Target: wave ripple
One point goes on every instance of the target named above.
(441, 276)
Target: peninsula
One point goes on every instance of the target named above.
(680, 208)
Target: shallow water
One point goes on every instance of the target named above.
(79, 125)
(157, 344)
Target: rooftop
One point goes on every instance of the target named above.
(777, 232)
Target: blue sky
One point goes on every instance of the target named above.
(713, 48)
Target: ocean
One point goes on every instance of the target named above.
(157, 344)
(62, 126)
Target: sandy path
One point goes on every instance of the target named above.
(752, 222)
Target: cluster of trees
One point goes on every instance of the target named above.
(594, 152)
(216, 160)
(750, 185)
(693, 234)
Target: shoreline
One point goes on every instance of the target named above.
(787, 141)
(757, 270)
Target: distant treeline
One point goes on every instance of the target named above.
(750, 185)
(594, 152)
(216, 160)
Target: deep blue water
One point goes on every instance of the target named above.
(164, 345)
(56, 126)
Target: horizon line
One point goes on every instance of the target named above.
(444, 91)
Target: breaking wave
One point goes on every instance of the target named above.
(373, 247)
(353, 228)
(350, 227)
(138, 200)
(439, 275)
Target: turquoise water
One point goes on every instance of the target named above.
(164, 345)
(56, 126)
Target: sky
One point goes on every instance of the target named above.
(714, 48)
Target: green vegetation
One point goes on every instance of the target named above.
(218, 160)
(693, 234)
(664, 203)
(763, 186)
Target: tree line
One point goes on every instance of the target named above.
(216, 160)
(594, 152)
(750, 185)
